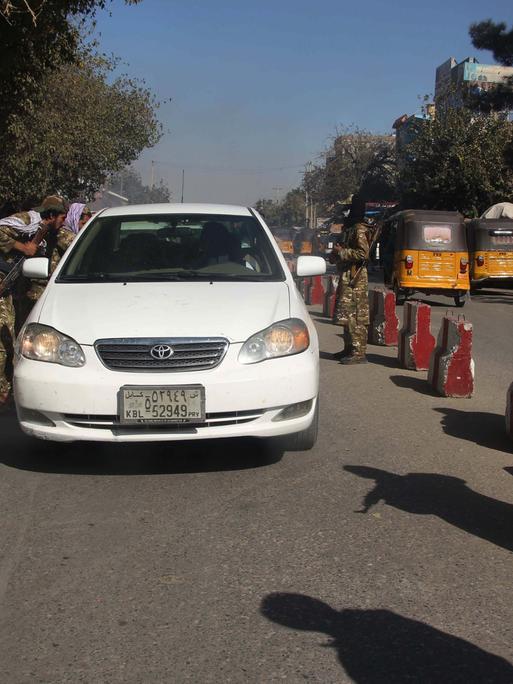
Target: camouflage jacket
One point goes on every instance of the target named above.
(56, 245)
(9, 235)
(356, 245)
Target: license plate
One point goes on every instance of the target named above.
(162, 404)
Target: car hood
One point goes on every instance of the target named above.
(235, 310)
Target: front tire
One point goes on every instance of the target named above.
(400, 297)
(459, 301)
(306, 439)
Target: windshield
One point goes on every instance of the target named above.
(172, 247)
(437, 234)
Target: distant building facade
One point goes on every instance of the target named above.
(455, 81)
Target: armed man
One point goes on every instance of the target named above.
(20, 236)
(353, 303)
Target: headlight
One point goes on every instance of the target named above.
(280, 339)
(42, 343)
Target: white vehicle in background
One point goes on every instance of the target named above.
(170, 322)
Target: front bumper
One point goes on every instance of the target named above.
(69, 404)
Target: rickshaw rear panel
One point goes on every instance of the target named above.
(491, 251)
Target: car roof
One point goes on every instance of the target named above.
(177, 208)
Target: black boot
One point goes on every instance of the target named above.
(353, 359)
(342, 354)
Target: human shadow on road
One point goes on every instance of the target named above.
(382, 360)
(144, 458)
(485, 429)
(380, 646)
(420, 385)
(447, 497)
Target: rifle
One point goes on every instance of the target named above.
(15, 272)
(372, 244)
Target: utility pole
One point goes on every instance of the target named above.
(276, 189)
(152, 175)
(183, 182)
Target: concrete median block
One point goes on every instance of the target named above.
(318, 290)
(509, 411)
(383, 321)
(451, 368)
(416, 343)
(304, 285)
(330, 297)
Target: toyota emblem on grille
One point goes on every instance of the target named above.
(161, 352)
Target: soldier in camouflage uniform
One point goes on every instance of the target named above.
(337, 311)
(16, 233)
(353, 311)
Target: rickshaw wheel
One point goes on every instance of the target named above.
(400, 297)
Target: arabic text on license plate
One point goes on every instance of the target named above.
(162, 404)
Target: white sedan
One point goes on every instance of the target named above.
(170, 322)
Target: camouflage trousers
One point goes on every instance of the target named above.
(352, 311)
(6, 342)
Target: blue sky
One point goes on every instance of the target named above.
(258, 88)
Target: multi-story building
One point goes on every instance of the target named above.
(456, 81)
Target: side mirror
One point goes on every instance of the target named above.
(310, 266)
(36, 267)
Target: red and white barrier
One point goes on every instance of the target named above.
(416, 343)
(383, 321)
(509, 411)
(318, 290)
(328, 308)
(451, 368)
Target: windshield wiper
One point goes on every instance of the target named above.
(88, 277)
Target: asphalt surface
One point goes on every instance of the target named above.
(225, 563)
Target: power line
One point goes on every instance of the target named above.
(223, 169)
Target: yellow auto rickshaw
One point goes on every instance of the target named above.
(426, 251)
(490, 244)
(285, 240)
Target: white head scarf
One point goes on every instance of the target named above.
(18, 223)
(73, 217)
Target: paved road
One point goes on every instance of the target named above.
(212, 563)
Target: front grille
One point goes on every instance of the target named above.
(106, 422)
(188, 354)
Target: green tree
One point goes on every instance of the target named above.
(89, 128)
(290, 211)
(36, 36)
(457, 161)
(129, 184)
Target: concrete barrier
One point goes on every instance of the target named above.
(318, 290)
(383, 321)
(451, 368)
(416, 343)
(328, 307)
(304, 285)
(509, 411)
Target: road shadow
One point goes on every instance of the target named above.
(449, 498)
(328, 356)
(489, 296)
(485, 429)
(419, 385)
(143, 458)
(382, 647)
(320, 318)
(509, 470)
(382, 360)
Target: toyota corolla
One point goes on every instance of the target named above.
(170, 322)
